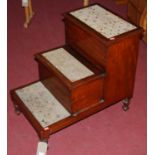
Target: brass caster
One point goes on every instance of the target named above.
(126, 103)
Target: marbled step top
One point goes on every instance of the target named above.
(103, 21)
(68, 65)
(42, 104)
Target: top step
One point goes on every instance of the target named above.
(103, 21)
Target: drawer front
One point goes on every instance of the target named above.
(87, 95)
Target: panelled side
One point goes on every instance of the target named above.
(118, 58)
(121, 69)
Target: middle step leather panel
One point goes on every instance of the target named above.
(74, 81)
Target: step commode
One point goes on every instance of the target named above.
(72, 82)
(95, 69)
(42, 104)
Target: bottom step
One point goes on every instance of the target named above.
(42, 104)
(44, 111)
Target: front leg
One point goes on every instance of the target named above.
(86, 3)
(126, 103)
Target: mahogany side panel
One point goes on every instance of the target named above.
(118, 57)
(121, 69)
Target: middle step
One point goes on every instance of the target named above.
(74, 81)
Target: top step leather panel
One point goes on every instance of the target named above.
(103, 21)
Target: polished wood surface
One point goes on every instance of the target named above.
(143, 23)
(85, 2)
(117, 56)
(28, 13)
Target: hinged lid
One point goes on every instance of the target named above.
(103, 21)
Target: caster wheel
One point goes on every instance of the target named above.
(125, 108)
(126, 103)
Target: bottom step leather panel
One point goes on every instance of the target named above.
(42, 104)
(45, 112)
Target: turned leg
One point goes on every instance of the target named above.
(126, 103)
(28, 13)
(27, 19)
(86, 2)
(17, 111)
(30, 9)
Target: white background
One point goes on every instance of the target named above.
(3, 77)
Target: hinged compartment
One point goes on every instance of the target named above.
(108, 42)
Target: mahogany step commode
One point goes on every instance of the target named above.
(95, 69)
